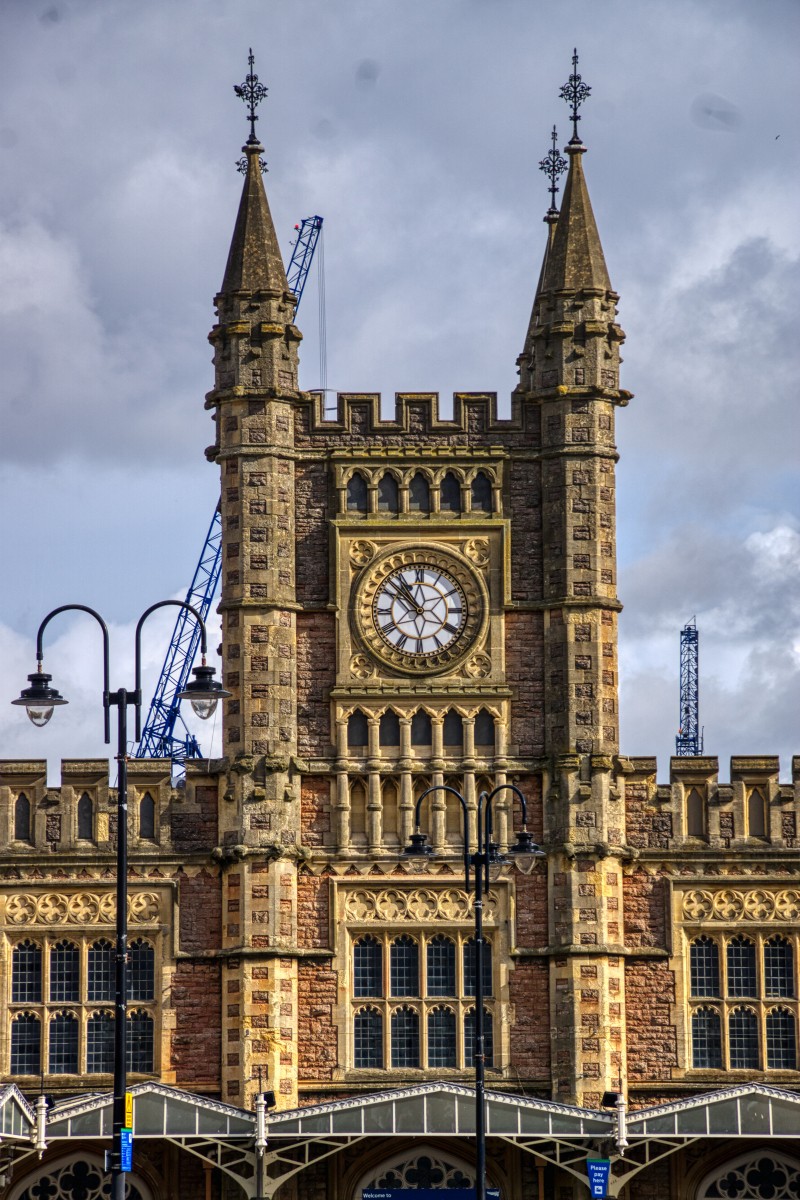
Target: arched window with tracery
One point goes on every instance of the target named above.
(453, 731)
(743, 1039)
(22, 818)
(26, 973)
(484, 732)
(405, 1037)
(26, 1044)
(368, 1038)
(100, 971)
(100, 1043)
(441, 966)
(704, 967)
(81, 1174)
(469, 1038)
(367, 967)
(706, 1038)
(85, 818)
(404, 966)
(141, 971)
(419, 494)
(450, 494)
(695, 814)
(741, 957)
(64, 973)
(389, 733)
(388, 495)
(62, 1035)
(778, 967)
(481, 493)
(760, 1174)
(357, 494)
(357, 731)
(140, 1042)
(441, 1037)
(147, 817)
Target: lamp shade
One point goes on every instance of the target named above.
(418, 846)
(204, 692)
(39, 699)
(525, 852)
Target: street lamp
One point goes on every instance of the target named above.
(39, 700)
(485, 856)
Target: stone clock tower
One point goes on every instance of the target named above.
(409, 602)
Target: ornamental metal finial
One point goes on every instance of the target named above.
(553, 165)
(575, 92)
(252, 92)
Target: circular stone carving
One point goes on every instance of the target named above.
(728, 905)
(477, 551)
(361, 667)
(787, 905)
(420, 609)
(477, 667)
(759, 905)
(697, 906)
(362, 551)
(21, 910)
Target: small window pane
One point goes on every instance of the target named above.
(704, 965)
(741, 967)
(469, 1038)
(63, 1033)
(695, 814)
(26, 974)
(441, 966)
(743, 1039)
(441, 1038)
(706, 1039)
(26, 1045)
(481, 494)
(357, 729)
(453, 730)
(357, 494)
(756, 817)
(419, 494)
(22, 818)
(778, 968)
(484, 729)
(141, 971)
(147, 817)
(100, 1044)
(781, 1041)
(101, 971)
(388, 494)
(390, 729)
(405, 1038)
(64, 973)
(469, 968)
(450, 494)
(404, 959)
(420, 729)
(85, 818)
(368, 1038)
(367, 968)
(139, 1042)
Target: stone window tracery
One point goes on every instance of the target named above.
(484, 731)
(758, 1175)
(147, 818)
(426, 1168)
(357, 494)
(22, 818)
(85, 818)
(419, 494)
(388, 495)
(743, 1039)
(80, 1177)
(389, 732)
(481, 493)
(450, 494)
(756, 815)
(706, 1038)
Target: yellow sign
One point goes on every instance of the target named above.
(129, 1110)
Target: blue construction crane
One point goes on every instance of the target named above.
(690, 736)
(165, 733)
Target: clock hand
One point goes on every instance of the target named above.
(407, 590)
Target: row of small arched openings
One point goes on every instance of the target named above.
(23, 828)
(697, 815)
(421, 729)
(427, 491)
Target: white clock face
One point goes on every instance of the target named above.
(419, 610)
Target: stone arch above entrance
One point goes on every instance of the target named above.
(78, 1176)
(758, 1175)
(418, 1167)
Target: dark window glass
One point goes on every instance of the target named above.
(781, 1040)
(404, 966)
(441, 966)
(100, 984)
(756, 816)
(441, 1038)
(22, 818)
(741, 967)
(778, 968)
(469, 1038)
(388, 494)
(368, 1038)
(390, 729)
(357, 494)
(405, 1038)
(743, 1039)
(704, 967)
(420, 729)
(367, 968)
(484, 729)
(26, 1044)
(63, 1034)
(481, 493)
(142, 971)
(706, 1039)
(100, 1043)
(419, 494)
(26, 974)
(357, 729)
(469, 968)
(450, 494)
(695, 814)
(147, 817)
(139, 1042)
(65, 970)
(85, 817)
(453, 730)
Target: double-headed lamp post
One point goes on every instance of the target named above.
(482, 859)
(40, 699)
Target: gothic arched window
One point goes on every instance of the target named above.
(441, 966)
(469, 1038)
(481, 491)
(100, 971)
(367, 967)
(484, 730)
(695, 814)
(22, 818)
(756, 815)
(26, 1044)
(357, 730)
(778, 967)
(357, 494)
(388, 495)
(405, 1037)
(469, 968)
(142, 971)
(64, 973)
(85, 818)
(743, 1039)
(781, 1040)
(421, 729)
(704, 967)
(147, 817)
(140, 1042)
(453, 730)
(419, 494)
(368, 1038)
(441, 1037)
(706, 1039)
(450, 494)
(100, 1043)
(63, 1037)
(404, 966)
(26, 974)
(741, 967)
(390, 729)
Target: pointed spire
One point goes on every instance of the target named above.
(254, 262)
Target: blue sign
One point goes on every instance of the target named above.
(126, 1150)
(426, 1194)
(599, 1170)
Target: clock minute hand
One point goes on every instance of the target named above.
(404, 588)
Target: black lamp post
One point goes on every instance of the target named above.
(485, 855)
(40, 699)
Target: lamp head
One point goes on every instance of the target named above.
(526, 852)
(39, 699)
(418, 847)
(204, 692)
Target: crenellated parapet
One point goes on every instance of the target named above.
(417, 416)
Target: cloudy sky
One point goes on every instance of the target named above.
(415, 130)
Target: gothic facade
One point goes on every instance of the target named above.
(410, 603)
